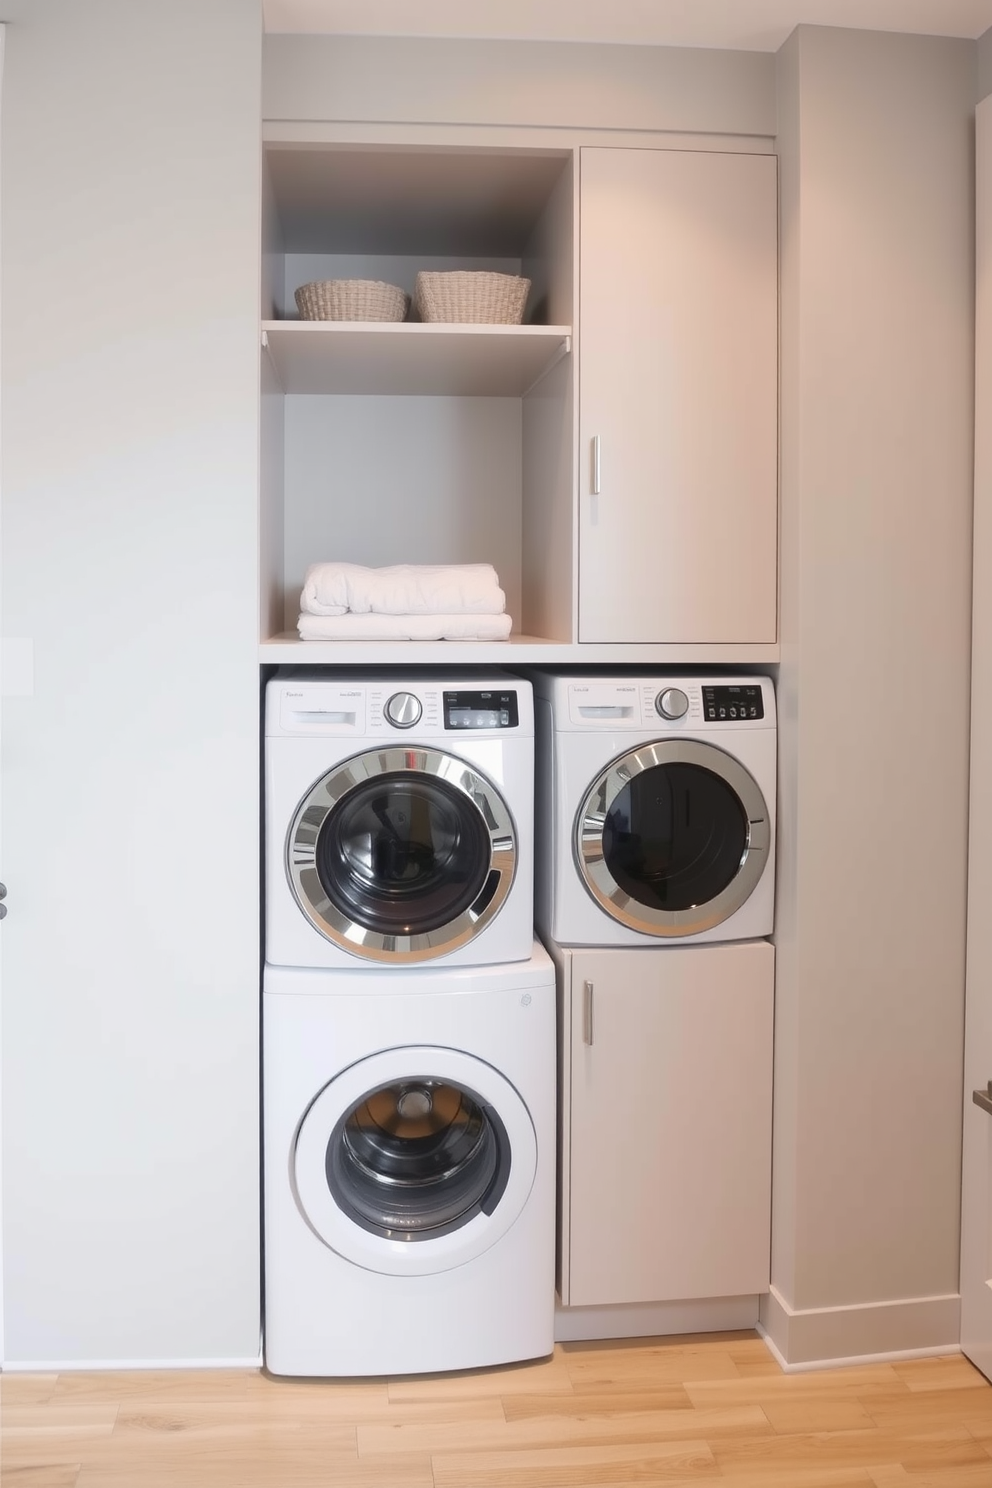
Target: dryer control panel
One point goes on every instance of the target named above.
(670, 703)
(730, 703)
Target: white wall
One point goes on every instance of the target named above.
(130, 776)
(875, 135)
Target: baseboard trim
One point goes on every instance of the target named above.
(68, 1366)
(701, 1315)
(868, 1333)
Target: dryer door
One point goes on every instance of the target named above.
(672, 837)
(414, 1160)
(400, 855)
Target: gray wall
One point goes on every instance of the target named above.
(549, 84)
(130, 782)
(875, 135)
(984, 66)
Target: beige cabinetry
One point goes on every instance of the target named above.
(388, 443)
(677, 458)
(666, 1085)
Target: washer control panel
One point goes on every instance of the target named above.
(400, 706)
(730, 704)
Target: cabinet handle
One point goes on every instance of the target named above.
(981, 1098)
(595, 465)
(587, 1012)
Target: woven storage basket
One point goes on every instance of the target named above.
(351, 299)
(493, 299)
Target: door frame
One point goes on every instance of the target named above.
(976, 1170)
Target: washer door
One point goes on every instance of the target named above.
(672, 837)
(414, 1160)
(400, 855)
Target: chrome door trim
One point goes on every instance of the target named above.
(326, 793)
(591, 820)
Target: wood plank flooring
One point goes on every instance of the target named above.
(709, 1412)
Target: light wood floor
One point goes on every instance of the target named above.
(708, 1412)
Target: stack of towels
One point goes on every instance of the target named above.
(408, 602)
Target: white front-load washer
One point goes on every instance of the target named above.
(409, 1141)
(398, 819)
(655, 808)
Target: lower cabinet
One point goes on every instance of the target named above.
(666, 1087)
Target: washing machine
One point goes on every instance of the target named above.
(655, 808)
(398, 819)
(409, 1141)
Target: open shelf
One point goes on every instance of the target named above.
(311, 356)
(518, 651)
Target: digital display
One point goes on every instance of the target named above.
(731, 704)
(486, 709)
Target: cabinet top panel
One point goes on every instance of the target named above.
(518, 651)
(454, 202)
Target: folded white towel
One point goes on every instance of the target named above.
(404, 589)
(404, 627)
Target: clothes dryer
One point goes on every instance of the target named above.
(409, 1139)
(655, 808)
(398, 819)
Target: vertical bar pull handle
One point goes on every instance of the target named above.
(587, 1012)
(595, 465)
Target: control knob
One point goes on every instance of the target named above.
(672, 703)
(403, 710)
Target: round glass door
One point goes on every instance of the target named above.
(672, 838)
(414, 1160)
(401, 854)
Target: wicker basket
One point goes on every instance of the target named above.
(492, 299)
(351, 299)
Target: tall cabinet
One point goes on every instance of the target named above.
(615, 459)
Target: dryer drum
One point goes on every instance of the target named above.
(417, 1158)
(675, 836)
(672, 837)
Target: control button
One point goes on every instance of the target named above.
(672, 703)
(403, 710)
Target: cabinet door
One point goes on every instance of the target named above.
(678, 397)
(668, 1096)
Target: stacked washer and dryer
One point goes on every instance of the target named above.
(655, 892)
(408, 1028)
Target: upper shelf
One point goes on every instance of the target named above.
(497, 361)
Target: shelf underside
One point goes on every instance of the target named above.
(412, 359)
